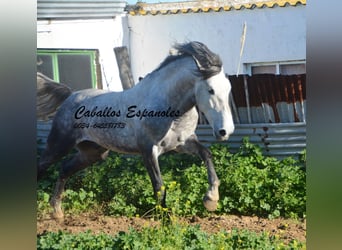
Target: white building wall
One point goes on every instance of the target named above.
(101, 34)
(273, 34)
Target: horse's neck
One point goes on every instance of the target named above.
(172, 86)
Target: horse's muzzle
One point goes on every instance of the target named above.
(221, 135)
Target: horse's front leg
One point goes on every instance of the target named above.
(193, 146)
(150, 157)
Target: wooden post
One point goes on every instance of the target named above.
(233, 105)
(249, 117)
(124, 66)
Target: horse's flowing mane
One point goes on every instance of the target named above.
(209, 63)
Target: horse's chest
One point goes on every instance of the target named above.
(177, 135)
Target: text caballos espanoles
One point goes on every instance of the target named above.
(131, 112)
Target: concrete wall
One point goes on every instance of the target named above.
(102, 34)
(273, 34)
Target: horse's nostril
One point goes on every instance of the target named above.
(222, 132)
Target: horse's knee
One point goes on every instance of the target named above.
(205, 153)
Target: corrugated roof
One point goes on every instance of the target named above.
(75, 9)
(206, 6)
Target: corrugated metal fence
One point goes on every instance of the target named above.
(43, 130)
(278, 140)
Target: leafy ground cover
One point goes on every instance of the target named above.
(166, 237)
(251, 185)
(285, 231)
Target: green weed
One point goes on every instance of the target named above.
(251, 184)
(167, 238)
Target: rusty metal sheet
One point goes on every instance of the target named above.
(268, 98)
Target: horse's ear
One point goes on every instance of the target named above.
(199, 65)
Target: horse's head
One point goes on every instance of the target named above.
(211, 89)
(212, 97)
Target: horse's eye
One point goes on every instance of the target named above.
(211, 91)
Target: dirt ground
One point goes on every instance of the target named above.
(286, 229)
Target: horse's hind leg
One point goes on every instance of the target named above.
(193, 146)
(57, 147)
(89, 153)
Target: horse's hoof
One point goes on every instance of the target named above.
(210, 205)
(58, 216)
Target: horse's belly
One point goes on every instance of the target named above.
(120, 140)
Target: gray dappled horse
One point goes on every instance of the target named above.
(155, 116)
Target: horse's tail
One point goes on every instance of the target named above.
(50, 95)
